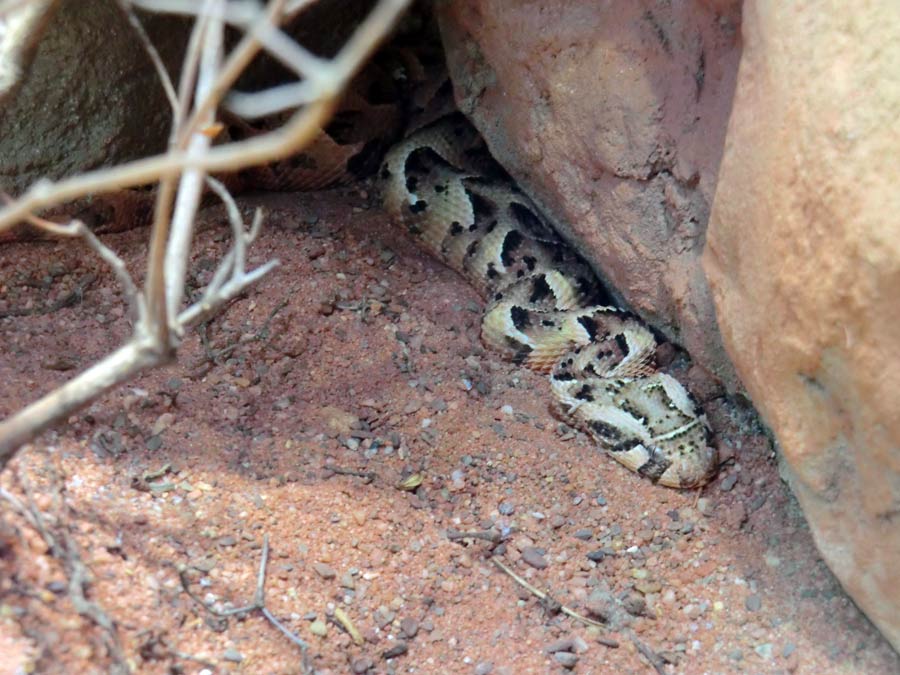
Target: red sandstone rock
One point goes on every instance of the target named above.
(803, 257)
(612, 116)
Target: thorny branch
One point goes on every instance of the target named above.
(207, 76)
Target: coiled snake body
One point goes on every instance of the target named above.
(546, 308)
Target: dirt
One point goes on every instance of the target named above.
(345, 410)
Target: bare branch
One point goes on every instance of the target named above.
(182, 173)
(287, 140)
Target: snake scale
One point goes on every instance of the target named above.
(546, 308)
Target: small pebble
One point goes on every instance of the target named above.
(484, 668)
(362, 664)
(233, 655)
(764, 650)
(409, 626)
(753, 603)
(318, 627)
(567, 660)
(324, 571)
(584, 534)
(535, 557)
(506, 508)
(398, 649)
(728, 482)
(561, 645)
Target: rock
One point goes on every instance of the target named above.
(728, 482)
(753, 603)
(567, 660)
(118, 111)
(614, 123)
(535, 557)
(232, 655)
(398, 649)
(764, 651)
(339, 422)
(409, 626)
(319, 628)
(361, 665)
(484, 668)
(561, 645)
(802, 257)
(324, 571)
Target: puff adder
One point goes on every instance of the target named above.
(546, 309)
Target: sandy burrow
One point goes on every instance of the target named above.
(362, 354)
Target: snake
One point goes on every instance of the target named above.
(546, 309)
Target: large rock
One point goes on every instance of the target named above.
(612, 116)
(803, 254)
(89, 98)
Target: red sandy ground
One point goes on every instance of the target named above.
(373, 345)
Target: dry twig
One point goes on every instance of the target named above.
(207, 75)
(64, 548)
(545, 597)
(257, 604)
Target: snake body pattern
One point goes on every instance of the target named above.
(546, 309)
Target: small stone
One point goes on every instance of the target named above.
(736, 655)
(154, 442)
(398, 649)
(562, 645)
(753, 603)
(227, 540)
(705, 506)
(597, 555)
(162, 423)
(764, 650)
(347, 581)
(635, 604)
(318, 627)
(506, 508)
(484, 668)
(409, 626)
(728, 482)
(324, 571)
(362, 665)
(535, 557)
(584, 534)
(567, 660)
(232, 655)
(648, 586)
(383, 617)
(788, 649)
